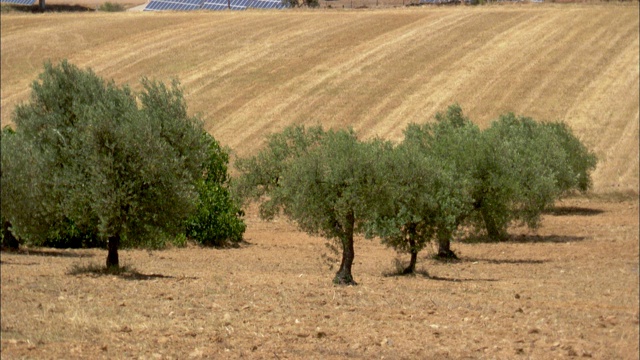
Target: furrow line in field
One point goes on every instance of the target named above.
(346, 60)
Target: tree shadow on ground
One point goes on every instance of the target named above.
(4, 262)
(504, 261)
(49, 8)
(397, 273)
(573, 211)
(41, 252)
(524, 239)
(425, 275)
(442, 278)
(124, 272)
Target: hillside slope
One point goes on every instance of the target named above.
(251, 73)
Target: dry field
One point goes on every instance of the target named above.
(568, 290)
(250, 73)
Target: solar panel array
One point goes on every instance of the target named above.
(447, 2)
(442, 2)
(18, 2)
(225, 4)
(268, 4)
(185, 5)
(173, 5)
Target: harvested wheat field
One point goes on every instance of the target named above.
(569, 289)
(251, 73)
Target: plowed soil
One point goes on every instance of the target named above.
(568, 290)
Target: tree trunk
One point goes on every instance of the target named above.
(444, 246)
(112, 257)
(411, 269)
(343, 276)
(8, 240)
(494, 231)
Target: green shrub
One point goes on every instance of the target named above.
(111, 7)
(217, 220)
(66, 235)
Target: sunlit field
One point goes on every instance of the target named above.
(567, 290)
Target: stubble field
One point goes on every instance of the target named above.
(568, 290)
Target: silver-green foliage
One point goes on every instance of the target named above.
(84, 150)
(111, 7)
(431, 177)
(326, 181)
(448, 173)
(524, 168)
(444, 175)
(261, 174)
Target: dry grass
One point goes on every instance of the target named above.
(254, 72)
(571, 289)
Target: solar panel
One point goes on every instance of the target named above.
(441, 2)
(224, 4)
(215, 5)
(160, 5)
(268, 4)
(18, 2)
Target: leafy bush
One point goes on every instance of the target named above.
(66, 234)
(217, 220)
(111, 7)
(297, 3)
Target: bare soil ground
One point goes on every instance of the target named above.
(568, 290)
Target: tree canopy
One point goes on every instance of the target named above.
(445, 175)
(105, 159)
(511, 172)
(323, 180)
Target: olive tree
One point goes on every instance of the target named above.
(524, 168)
(325, 181)
(102, 157)
(425, 199)
(261, 174)
(448, 147)
(458, 175)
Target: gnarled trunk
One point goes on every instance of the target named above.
(444, 245)
(8, 240)
(411, 269)
(343, 276)
(494, 231)
(112, 257)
